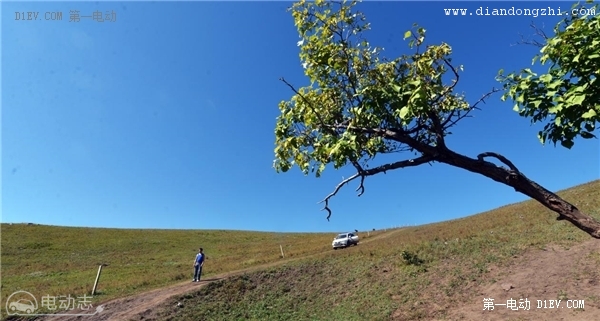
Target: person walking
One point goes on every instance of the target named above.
(198, 263)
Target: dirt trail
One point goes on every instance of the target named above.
(550, 274)
(140, 305)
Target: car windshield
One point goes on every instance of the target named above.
(341, 236)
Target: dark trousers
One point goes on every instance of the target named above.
(197, 272)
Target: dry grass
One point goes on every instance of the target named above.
(63, 260)
(420, 271)
(408, 274)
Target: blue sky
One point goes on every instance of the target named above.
(165, 119)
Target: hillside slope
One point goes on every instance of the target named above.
(64, 260)
(436, 272)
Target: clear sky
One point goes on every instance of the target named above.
(165, 118)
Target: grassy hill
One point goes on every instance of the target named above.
(414, 273)
(418, 271)
(65, 260)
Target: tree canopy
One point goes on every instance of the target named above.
(567, 97)
(360, 105)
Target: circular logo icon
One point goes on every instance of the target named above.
(21, 303)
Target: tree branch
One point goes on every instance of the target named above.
(303, 98)
(513, 172)
(392, 134)
(370, 172)
(456, 80)
(503, 159)
(538, 32)
(438, 129)
(514, 178)
(449, 122)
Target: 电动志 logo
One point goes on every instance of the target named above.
(25, 303)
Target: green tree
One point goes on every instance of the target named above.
(567, 97)
(360, 105)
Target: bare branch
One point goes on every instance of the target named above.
(451, 87)
(503, 159)
(538, 32)
(449, 122)
(373, 171)
(337, 188)
(361, 187)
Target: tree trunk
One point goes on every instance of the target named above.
(512, 177)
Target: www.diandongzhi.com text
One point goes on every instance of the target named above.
(512, 11)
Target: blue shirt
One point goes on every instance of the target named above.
(199, 258)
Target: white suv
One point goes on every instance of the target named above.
(344, 240)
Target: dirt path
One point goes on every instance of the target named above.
(571, 275)
(140, 305)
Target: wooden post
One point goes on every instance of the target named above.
(281, 247)
(97, 277)
(368, 233)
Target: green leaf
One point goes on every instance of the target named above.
(536, 103)
(407, 34)
(555, 84)
(567, 143)
(403, 112)
(589, 127)
(587, 135)
(542, 137)
(521, 99)
(555, 109)
(589, 114)
(516, 108)
(578, 99)
(546, 78)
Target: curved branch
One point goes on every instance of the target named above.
(503, 159)
(337, 188)
(514, 178)
(370, 172)
(454, 83)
